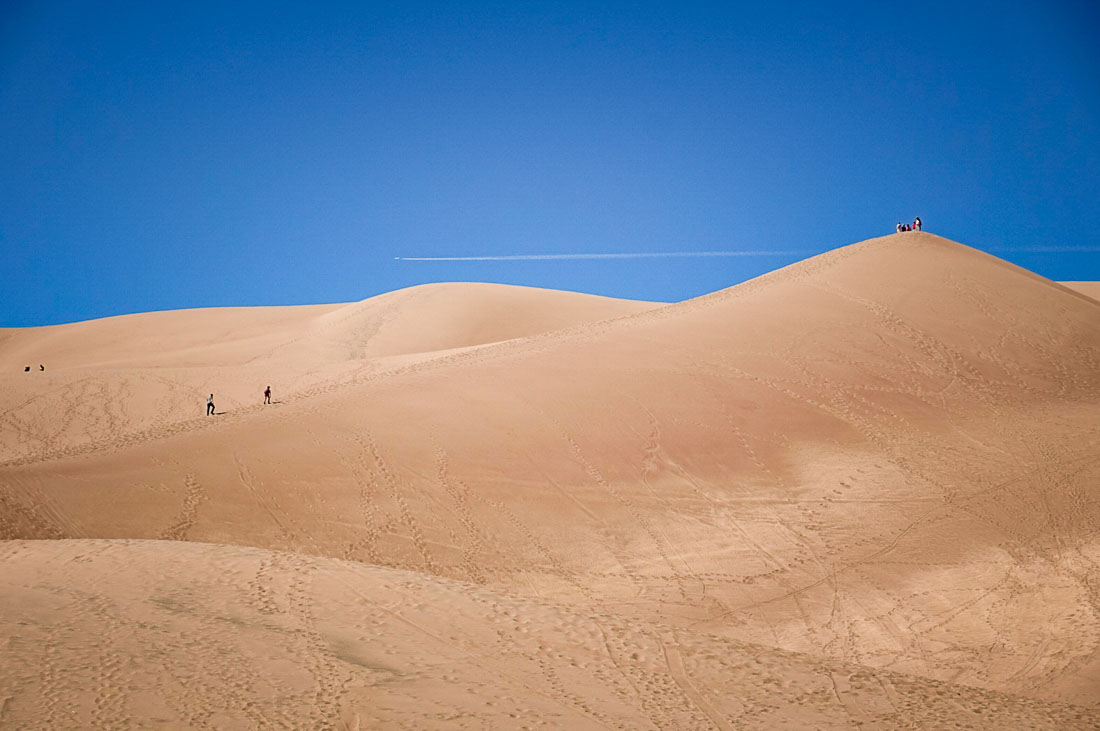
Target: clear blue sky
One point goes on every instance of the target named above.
(169, 155)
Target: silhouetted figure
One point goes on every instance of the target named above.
(210, 405)
(27, 369)
(916, 224)
(41, 367)
(267, 395)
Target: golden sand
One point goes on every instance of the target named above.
(860, 490)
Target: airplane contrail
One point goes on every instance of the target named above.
(1046, 249)
(626, 255)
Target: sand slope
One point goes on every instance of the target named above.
(118, 634)
(882, 456)
(424, 318)
(128, 374)
(1089, 289)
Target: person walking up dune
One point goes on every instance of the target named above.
(210, 405)
(267, 395)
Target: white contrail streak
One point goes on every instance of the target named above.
(628, 255)
(1046, 249)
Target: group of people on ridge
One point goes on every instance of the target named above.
(210, 401)
(914, 226)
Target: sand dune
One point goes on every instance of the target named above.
(424, 318)
(882, 458)
(133, 373)
(1089, 289)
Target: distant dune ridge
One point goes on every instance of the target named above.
(858, 490)
(129, 374)
(1089, 289)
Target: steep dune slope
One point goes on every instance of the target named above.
(123, 375)
(885, 455)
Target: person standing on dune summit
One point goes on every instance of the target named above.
(916, 224)
(210, 405)
(267, 395)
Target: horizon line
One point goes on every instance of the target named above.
(1041, 249)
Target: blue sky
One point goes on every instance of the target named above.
(160, 156)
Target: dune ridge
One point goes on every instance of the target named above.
(138, 374)
(1089, 289)
(877, 463)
